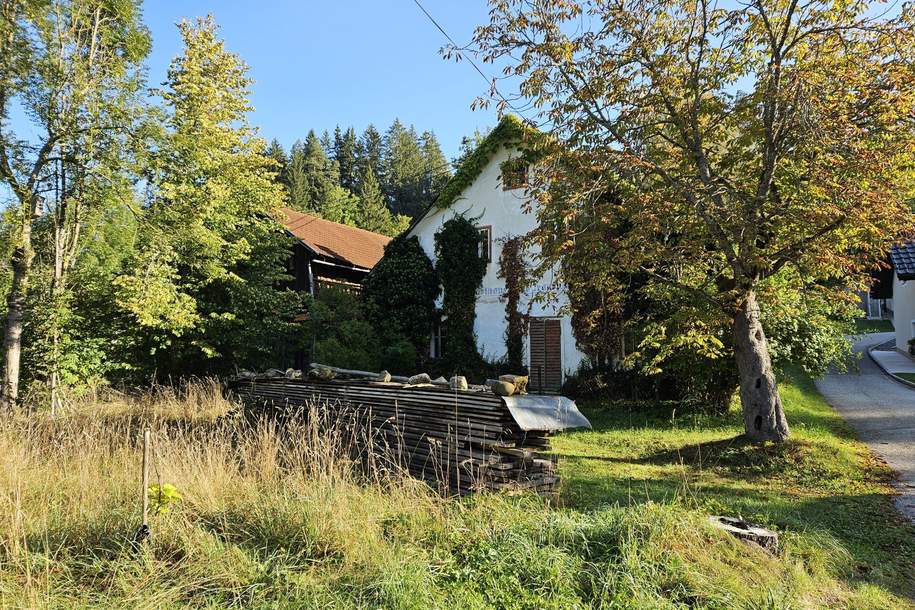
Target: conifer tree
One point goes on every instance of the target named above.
(295, 177)
(276, 152)
(435, 168)
(319, 175)
(403, 170)
(373, 213)
(345, 155)
(370, 153)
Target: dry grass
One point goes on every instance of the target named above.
(291, 517)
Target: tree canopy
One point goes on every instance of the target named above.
(748, 142)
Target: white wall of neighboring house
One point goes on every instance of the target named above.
(488, 204)
(903, 311)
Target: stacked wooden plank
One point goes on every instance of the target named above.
(459, 441)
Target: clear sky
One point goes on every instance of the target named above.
(317, 63)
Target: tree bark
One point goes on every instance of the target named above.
(763, 414)
(16, 304)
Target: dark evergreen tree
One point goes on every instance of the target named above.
(400, 293)
(319, 175)
(374, 214)
(345, 144)
(276, 152)
(403, 170)
(326, 142)
(295, 177)
(435, 168)
(370, 153)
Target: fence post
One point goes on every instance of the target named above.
(143, 533)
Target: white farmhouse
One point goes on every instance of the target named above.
(496, 203)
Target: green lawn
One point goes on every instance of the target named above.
(906, 376)
(863, 325)
(822, 489)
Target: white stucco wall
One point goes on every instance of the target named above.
(486, 202)
(903, 311)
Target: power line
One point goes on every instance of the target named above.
(490, 82)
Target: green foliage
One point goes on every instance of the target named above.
(345, 144)
(372, 213)
(373, 182)
(400, 294)
(162, 497)
(511, 131)
(404, 170)
(807, 324)
(460, 270)
(513, 270)
(209, 250)
(339, 333)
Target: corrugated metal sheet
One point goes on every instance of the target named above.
(545, 413)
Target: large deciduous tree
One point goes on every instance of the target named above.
(73, 66)
(752, 139)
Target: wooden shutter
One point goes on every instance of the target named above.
(545, 337)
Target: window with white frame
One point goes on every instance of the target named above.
(485, 247)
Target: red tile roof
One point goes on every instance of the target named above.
(334, 240)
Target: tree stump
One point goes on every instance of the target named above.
(767, 539)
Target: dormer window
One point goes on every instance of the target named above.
(514, 174)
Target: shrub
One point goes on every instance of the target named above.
(400, 293)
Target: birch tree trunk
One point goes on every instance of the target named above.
(16, 304)
(763, 414)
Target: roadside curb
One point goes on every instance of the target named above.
(886, 372)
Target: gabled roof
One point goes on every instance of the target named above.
(511, 131)
(903, 257)
(345, 244)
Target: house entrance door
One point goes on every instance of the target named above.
(545, 336)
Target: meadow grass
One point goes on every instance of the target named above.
(286, 517)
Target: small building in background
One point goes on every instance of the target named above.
(329, 253)
(903, 259)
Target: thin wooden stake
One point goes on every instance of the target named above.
(144, 490)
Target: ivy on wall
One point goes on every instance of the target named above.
(511, 131)
(513, 270)
(460, 269)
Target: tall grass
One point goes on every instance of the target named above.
(292, 516)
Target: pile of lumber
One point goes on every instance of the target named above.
(460, 441)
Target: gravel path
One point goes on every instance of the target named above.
(883, 413)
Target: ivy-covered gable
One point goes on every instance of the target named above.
(511, 131)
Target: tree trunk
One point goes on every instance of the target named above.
(763, 415)
(12, 339)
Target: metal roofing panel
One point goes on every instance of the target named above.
(545, 413)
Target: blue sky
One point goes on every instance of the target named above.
(353, 62)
